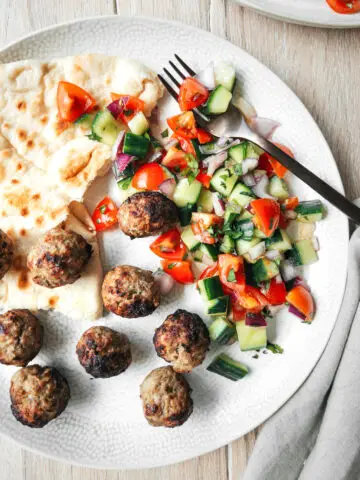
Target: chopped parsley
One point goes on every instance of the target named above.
(128, 112)
(237, 169)
(274, 348)
(171, 266)
(102, 208)
(124, 184)
(93, 136)
(165, 133)
(231, 276)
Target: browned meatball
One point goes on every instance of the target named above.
(182, 340)
(38, 395)
(130, 292)
(58, 258)
(147, 213)
(166, 398)
(6, 253)
(103, 352)
(21, 337)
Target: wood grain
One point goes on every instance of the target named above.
(321, 66)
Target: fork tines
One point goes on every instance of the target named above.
(189, 71)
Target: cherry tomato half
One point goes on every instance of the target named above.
(192, 94)
(302, 300)
(267, 215)
(148, 177)
(345, 6)
(183, 125)
(105, 214)
(169, 246)
(73, 101)
(179, 271)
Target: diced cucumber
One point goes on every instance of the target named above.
(278, 241)
(310, 211)
(208, 148)
(305, 253)
(258, 233)
(85, 120)
(218, 101)
(238, 152)
(278, 188)
(300, 230)
(252, 151)
(105, 128)
(205, 202)
(227, 245)
(136, 145)
(196, 148)
(225, 75)
(264, 270)
(222, 331)
(227, 367)
(246, 215)
(242, 195)
(187, 193)
(223, 181)
(217, 306)
(210, 288)
(139, 124)
(251, 338)
(189, 238)
(185, 213)
(243, 246)
(206, 253)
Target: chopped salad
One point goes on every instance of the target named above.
(240, 226)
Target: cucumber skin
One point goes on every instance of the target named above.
(224, 365)
(214, 284)
(136, 145)
(185, 214)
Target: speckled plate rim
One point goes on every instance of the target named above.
(214, 443)
(338, 21)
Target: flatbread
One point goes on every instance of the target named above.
(47, 165)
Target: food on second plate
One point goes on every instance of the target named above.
(59, 132)
(6, 253)
(147, 213)
(58, 258)
(344, 6)
(38, 395)
(21, 337)
(130, 291)
(182, 340)
(166, 398)
(103, 352)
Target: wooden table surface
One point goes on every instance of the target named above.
(320, 65)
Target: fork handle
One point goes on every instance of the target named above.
(316, 183)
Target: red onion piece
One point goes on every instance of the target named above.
(290, 214)
(117, 147)
(220, 148)
(249, 164)
(122, 161)
(223, 141)
(249, 180)
(289, 270)
(255, 320)
(218, 203)
(117, 106)
(215, 161)
(167, 187)
(207, 77)
(296, 312)
(165, 283)
(261, 187)
(245, 108)
(156, 156)
(171, 143)
(264, 126)
(272, 254)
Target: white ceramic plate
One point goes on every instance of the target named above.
(104, 425)
(307, 12)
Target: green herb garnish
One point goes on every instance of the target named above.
(274, 348)
(102, 208)
(171, 266)
(165, 133)
(124, 184)
(231, 276)
(93, 136)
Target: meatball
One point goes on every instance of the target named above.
(182, 340)
(103, 352)
(147, 213)
(58, 258)
(21, 337)
(166, 398)
(6, 253)
(130, 292)
(38, 395)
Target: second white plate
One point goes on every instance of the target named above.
(306, 12)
